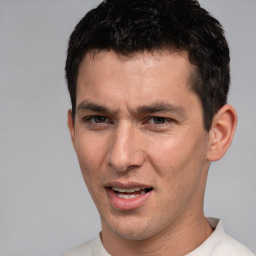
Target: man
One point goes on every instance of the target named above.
(148, 81)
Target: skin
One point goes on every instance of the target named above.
(138, 121)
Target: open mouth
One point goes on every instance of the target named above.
(130, 193)
(124, 197)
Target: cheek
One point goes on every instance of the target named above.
(91, 156)
(89, 149)
(179, 161)
(167, 155)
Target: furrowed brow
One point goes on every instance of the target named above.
(85, 106)
(160, 107)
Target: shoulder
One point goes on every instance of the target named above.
(231, 247)
(220, 244)
(84, 249)
(94, 247)
(223, 244)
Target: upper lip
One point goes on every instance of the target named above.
(126, 185)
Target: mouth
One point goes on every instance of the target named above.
(128, 197)
(130, 193)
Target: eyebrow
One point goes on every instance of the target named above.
(85, 105)
(153, 108)
(160, 107)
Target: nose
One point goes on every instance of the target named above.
(125, 152)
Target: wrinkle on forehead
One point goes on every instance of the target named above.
(127, 82)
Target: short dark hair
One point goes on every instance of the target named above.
(130, 26)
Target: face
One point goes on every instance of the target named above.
(140, 141)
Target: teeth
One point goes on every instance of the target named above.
(127, 190)
(127, 196)
(130, 190)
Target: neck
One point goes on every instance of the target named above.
(175, 241)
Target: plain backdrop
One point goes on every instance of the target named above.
(45, 208)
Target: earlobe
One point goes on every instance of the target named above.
(221, 132)
(71, 127)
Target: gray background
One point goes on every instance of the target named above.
(45, 208)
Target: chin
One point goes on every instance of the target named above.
(132, 234)
(133, 231)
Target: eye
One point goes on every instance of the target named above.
(96, 122)
(157, 120)
(158, 123)
(98, 119)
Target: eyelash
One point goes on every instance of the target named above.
(149, 122)
(92, 119)
(159, 119)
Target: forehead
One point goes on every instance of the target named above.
(143, 76)
(150, 59)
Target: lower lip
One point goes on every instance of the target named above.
(127, 204)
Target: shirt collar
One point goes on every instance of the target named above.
(98, 248)
(206, 248)
(210, 244)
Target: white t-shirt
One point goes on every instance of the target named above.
(217, 244)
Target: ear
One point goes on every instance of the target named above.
(221, 132)
(71, 126)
